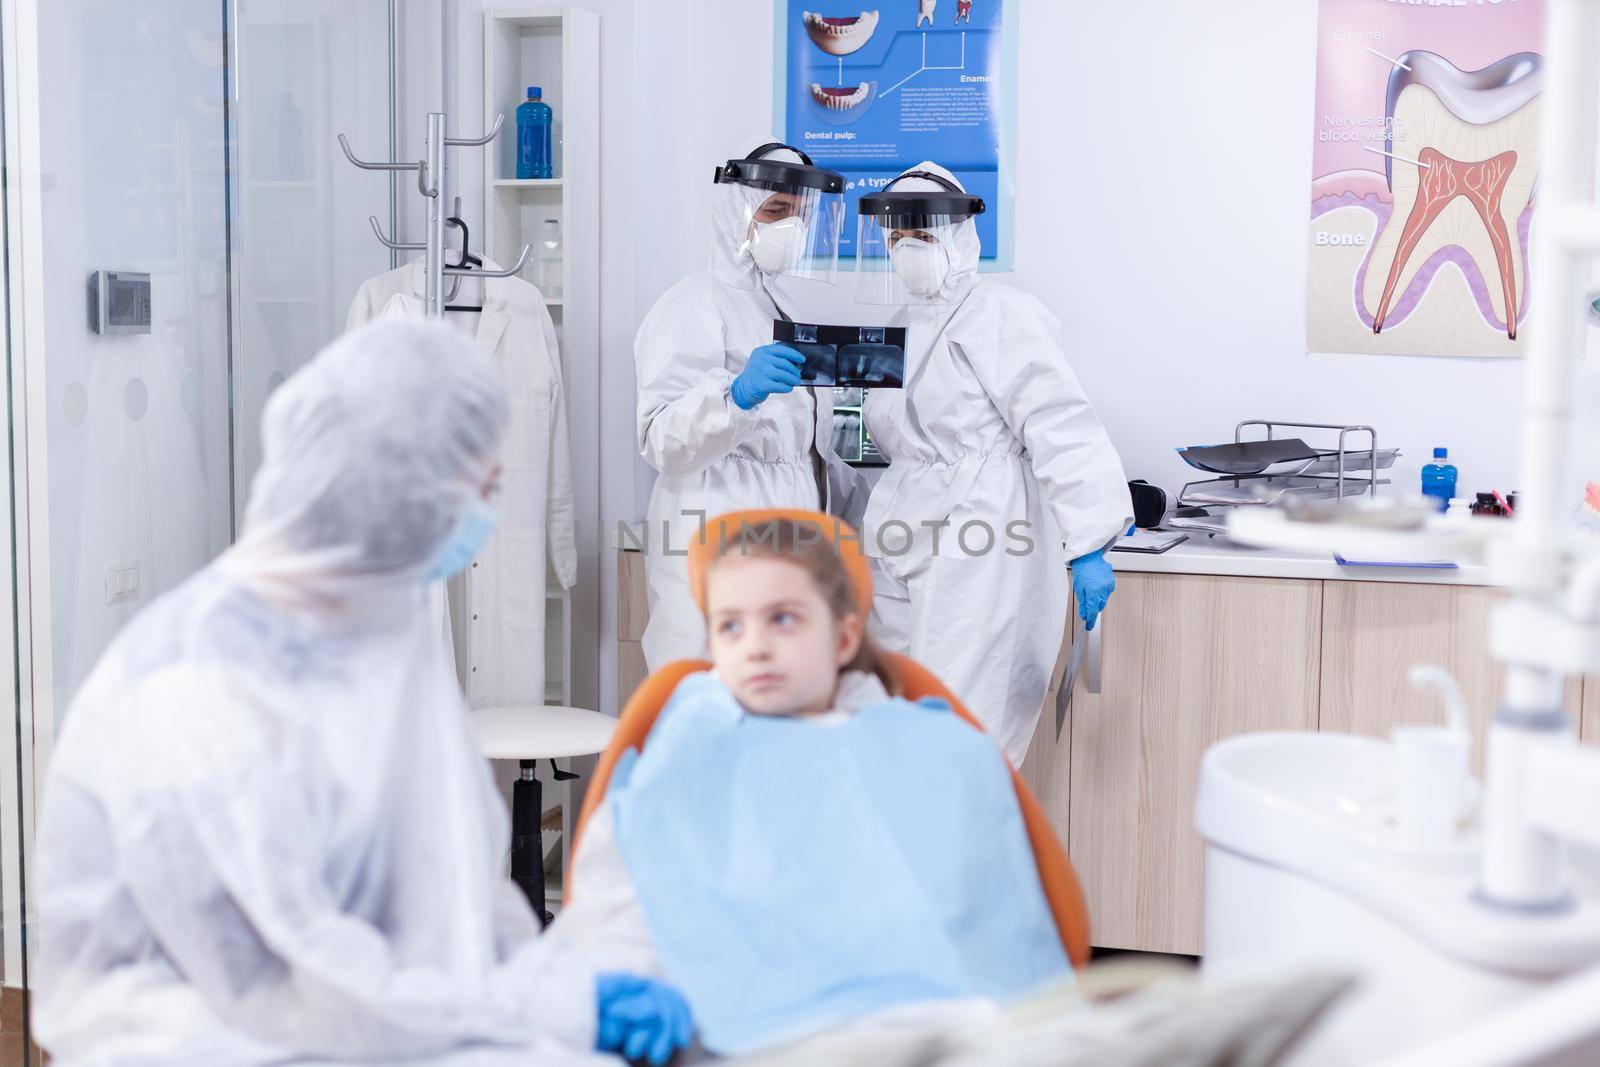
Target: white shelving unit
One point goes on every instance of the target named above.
(555, 46)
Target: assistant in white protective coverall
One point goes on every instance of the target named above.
(721, 415)
(1000, 472)
(267, 836)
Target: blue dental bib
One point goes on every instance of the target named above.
(798, 874)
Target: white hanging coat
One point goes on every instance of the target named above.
(504, 589)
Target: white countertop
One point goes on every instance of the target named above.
(1211, 555)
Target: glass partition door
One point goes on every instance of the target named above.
(307, 71)
(180, 234)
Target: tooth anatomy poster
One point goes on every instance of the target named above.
(1426, 162)
(870, 92)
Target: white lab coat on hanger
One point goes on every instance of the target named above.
(503, 612)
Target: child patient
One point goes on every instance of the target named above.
(797, 847)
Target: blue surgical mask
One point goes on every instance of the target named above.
(466, 540)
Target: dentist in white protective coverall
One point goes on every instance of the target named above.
(267, 835)
(722, 415)
(1000, 471)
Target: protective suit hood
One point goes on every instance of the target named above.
(360, 486)
(731, 261)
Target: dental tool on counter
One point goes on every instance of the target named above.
(1494, 503)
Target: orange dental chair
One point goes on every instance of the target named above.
(1060, 883)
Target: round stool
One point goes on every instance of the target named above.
(528, 733)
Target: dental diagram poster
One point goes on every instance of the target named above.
(1425, 164)
(870, 89)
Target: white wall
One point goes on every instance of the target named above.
(1162, 194)
(701, 91)
(1181, 279)
(718, 54)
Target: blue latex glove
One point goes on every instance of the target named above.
(1092, 585)
(640, 1018)
(773, 368)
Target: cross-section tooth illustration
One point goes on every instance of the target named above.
(1463, 168)
(840, 36)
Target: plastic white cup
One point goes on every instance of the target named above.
(1434, 763)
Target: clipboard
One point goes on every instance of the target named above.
(1150, 542)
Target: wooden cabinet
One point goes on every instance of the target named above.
(631, 670)
(1373, 632)
(1188, 660)
(1590, 726)
(1192, 659)
(633, 606)
(633, 612)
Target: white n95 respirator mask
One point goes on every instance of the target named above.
(922, 266)
(777, 246)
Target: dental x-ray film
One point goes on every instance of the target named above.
(847, 356)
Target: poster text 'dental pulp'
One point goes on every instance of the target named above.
(1425, 166)
(874, 88)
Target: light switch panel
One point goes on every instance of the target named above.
(122, 580)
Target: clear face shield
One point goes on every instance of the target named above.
(788, 216)
(903, 243)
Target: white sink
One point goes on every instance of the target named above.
(1322, 807)
(1311, 802)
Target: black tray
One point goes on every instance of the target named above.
(1249, 457)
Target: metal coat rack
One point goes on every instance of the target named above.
(431, 172)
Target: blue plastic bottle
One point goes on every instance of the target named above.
(534, 119)
(1439, 478)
